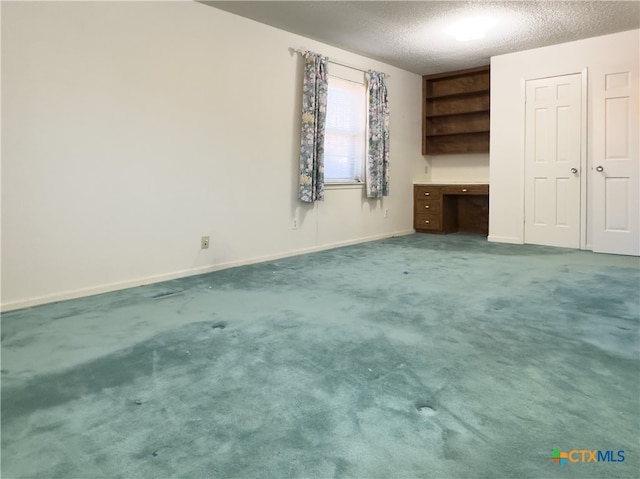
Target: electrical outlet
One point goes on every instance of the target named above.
(426, 170)
(386, 213)
(294, 224)
(204, 242)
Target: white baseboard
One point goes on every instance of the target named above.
(107, 288)
(504, 239)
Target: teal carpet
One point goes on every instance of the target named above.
(415, 357)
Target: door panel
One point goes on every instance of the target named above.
(615, 199)
(541, 200)
(563, 202)
(616, 128)
(616, 213)
(553, 140)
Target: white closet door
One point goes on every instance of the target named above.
(553, 158)
(615, 167)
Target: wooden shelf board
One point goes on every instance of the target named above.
(459, 73)
(474, 132)
(431, 115)
(484, 91)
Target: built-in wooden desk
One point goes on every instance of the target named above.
(447, 208)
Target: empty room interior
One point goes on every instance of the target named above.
(301, 239)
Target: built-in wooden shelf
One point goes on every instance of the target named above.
(456, 112)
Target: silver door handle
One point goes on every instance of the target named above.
(599, 168)
(574, 170)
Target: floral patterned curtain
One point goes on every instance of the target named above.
(314, 112)
(377, 167)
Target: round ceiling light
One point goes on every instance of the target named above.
(471, 28)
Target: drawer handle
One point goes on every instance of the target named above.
(426, 194)
(427, 206)
(464, 189)
(426, 221)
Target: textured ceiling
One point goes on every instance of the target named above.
(411, 35)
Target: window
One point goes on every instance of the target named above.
(344, 141)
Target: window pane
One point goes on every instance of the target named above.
(345, 130)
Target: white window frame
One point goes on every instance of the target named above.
(359, 179)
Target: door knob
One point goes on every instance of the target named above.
(574, 170)
(599, 168)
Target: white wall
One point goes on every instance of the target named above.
(508, 75)
(130, 129)
(462, 167)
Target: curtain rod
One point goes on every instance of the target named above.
(335, 62)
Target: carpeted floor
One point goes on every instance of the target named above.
(415, 357)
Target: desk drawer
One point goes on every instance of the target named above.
(427, 221)
(426, 191)
(465, 190)
(428, 206)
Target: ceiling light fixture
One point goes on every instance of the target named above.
(471, 28)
